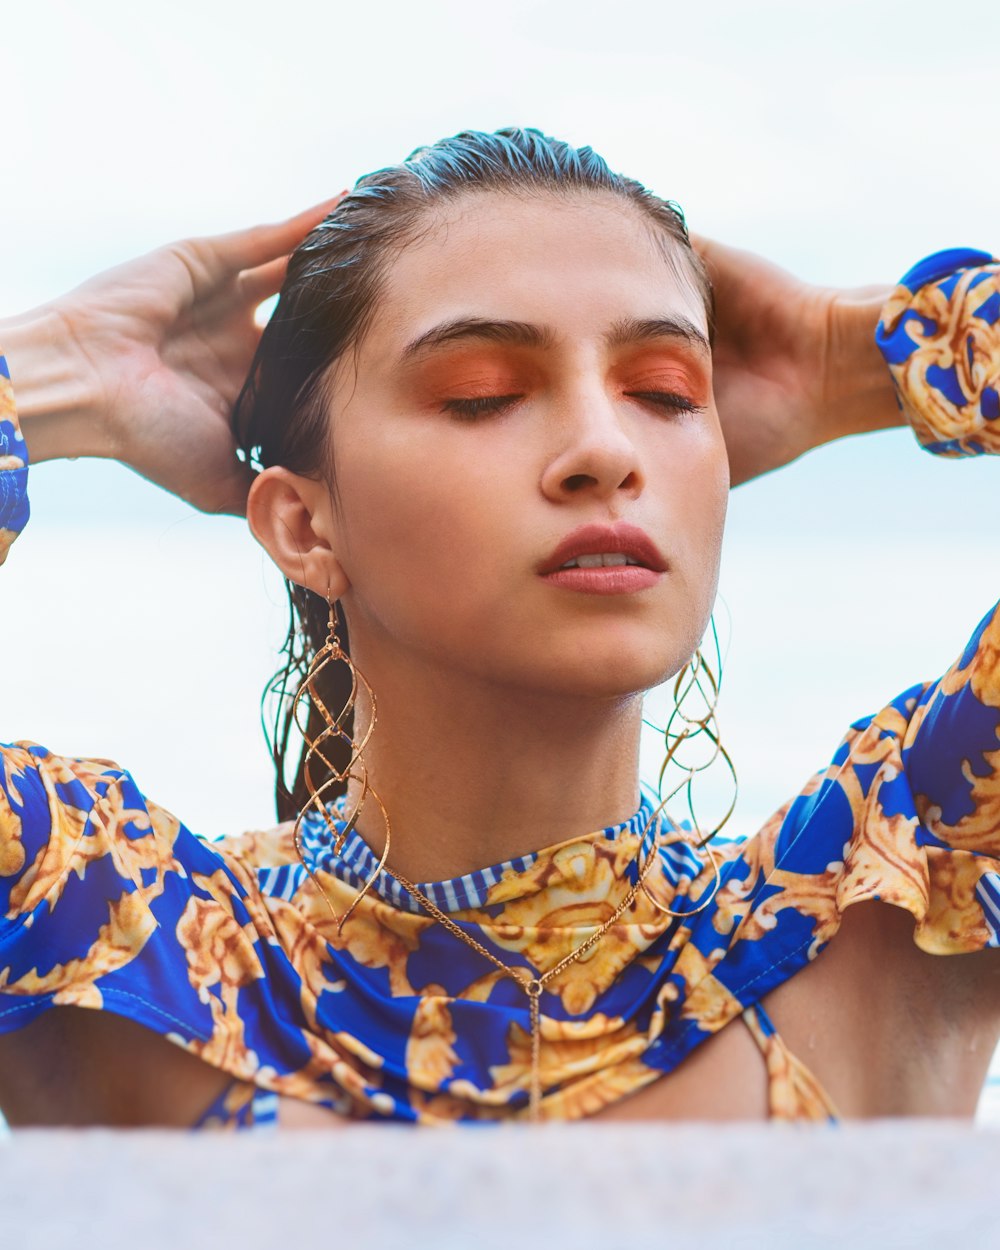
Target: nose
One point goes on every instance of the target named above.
(595, 455)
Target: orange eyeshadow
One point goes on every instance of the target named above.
(661, 370)
(470, 374)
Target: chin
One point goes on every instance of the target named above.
(611, 675)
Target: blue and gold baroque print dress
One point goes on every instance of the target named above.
(228, 949)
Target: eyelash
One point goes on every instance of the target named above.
(667, 400)
(481, 406)
(471, 409)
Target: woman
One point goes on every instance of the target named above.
(490, 451)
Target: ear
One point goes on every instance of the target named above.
(292, 518)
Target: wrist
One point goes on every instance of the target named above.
(55, 387)
(859, 394)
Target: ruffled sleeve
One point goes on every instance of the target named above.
(940, 334)
(108, 901)
(908, 810)
(13, 467)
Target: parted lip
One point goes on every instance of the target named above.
(617, 539)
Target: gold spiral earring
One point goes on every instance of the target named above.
(318, 749)
(696, 681)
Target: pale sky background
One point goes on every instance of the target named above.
(844, 141)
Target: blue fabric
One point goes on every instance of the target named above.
(231, 950)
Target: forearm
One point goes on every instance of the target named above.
(55, 387)
(859, 395)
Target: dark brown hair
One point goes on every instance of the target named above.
(326, 302)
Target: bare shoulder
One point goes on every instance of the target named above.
(78, 1066)
(887, 1028)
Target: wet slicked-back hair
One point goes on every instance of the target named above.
(327, 301)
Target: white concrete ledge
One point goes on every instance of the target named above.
(583, 1187)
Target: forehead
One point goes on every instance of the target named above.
(573, 263)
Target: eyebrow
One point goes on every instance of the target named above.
(623, 333)
(631, 330)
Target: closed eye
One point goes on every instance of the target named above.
(478, 406)
(485, 405)
(667, 400)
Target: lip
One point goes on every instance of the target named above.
(620, 579)
(618, 539)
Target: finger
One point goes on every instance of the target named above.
(260, 283)
(713, 256)
(706, 248)
(248, 249)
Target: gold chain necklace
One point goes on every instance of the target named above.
(334, 731)
(532, 986)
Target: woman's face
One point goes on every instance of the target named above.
(536, 368)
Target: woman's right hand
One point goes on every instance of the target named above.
(143, 363)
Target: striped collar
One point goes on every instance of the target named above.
(357, 862)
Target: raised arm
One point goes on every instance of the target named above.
(940, 334)
(141, 364)
(909, 809)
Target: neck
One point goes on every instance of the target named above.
(472, 775)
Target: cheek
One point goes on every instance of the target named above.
(715, 505)
(698, 497)
(386, 507)
(419, 520)
(717, 497)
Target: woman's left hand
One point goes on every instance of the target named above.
(795, 365)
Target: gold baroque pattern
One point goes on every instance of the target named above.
(229, 950)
